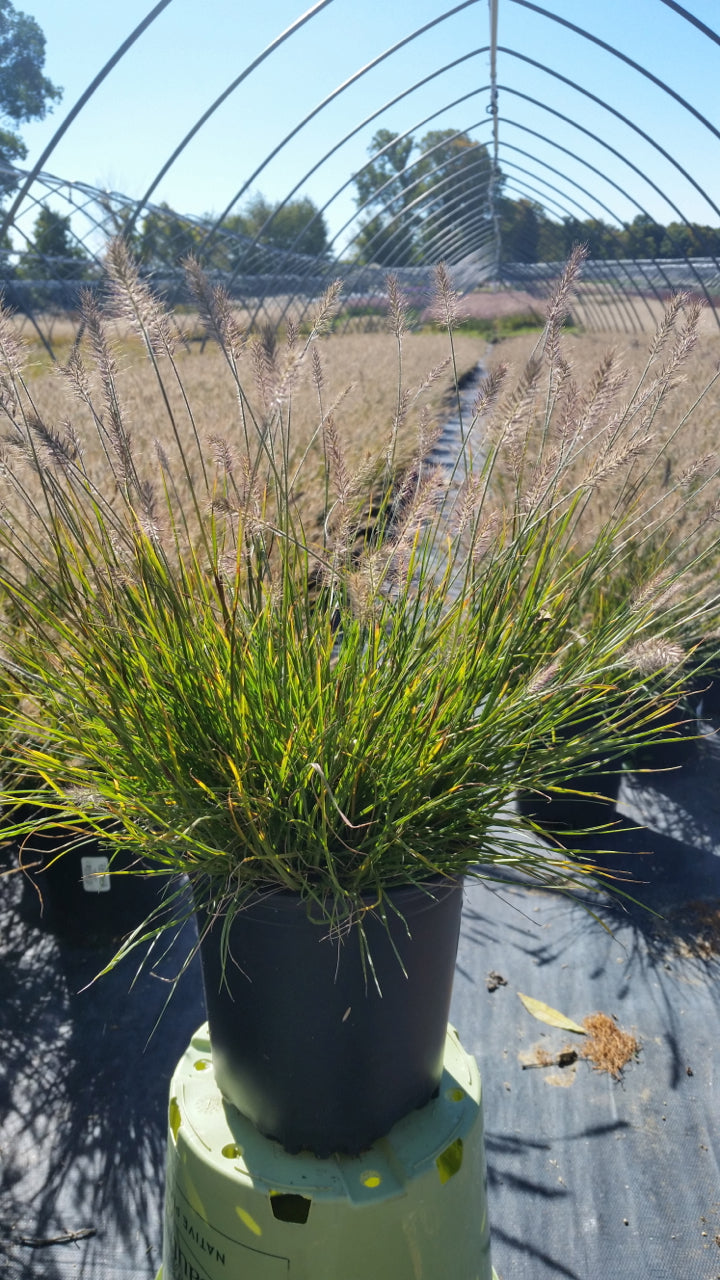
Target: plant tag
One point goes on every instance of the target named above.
(95, 875)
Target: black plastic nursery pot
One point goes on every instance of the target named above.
(704, 696)
(72, 889)
(708, 700)
(678, 730)
(561, 813)
(303, 1043)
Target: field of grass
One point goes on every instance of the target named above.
(618, 313)
(360, 371)
(585, 351)
(675, 473)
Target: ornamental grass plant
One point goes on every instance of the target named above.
(338, 700)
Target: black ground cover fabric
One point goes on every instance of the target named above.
(589, 1177)
(84, 1083)
(593, 1177)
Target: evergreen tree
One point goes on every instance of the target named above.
(165, 238)
(54, 254)
(296, 225)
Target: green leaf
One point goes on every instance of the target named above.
(552, 1017)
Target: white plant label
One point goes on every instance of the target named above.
(95, 875)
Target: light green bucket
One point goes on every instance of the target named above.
(412, 1207)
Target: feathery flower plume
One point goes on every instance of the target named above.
(563, 379)
(489, 389)
(605, 385)
(409, 483)
(145, 507)
(516, 415)
(445, 304)
(616, 457)
(263, 360)
(698, 468)
(685, 340)
(667, 324)
(397, 307)
(76, 376)
(289, 373)
(558, 307)
(73, 441)
(467, 505)
(658, 591)
(326, 309)
(485, 535)
(59, 450)
(399, 419)
(8, 398)
(431, 378)
(569, 412)
(429, 431)
(161, 455)
(337, 402)
(318, 378)
(222, 453)
(364, 585)
(336, 458)
(710, 513)
(542, 678)
(249, 497)
(361, 480)
(216, 310)
(223, 506)
(113, 427)
(408, 524)
(12, 347)
(653, 655)
(135, 301)
(531, 498)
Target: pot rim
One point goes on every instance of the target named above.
(283, 905)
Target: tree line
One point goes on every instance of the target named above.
(417, 200)
(408, 214)
(440, 192)
(529, 235)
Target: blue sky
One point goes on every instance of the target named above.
(192, 52)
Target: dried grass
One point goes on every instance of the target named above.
(621, 314)
(608, 1048)
(594, 364)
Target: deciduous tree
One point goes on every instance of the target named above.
(25, 92)
(433, 205)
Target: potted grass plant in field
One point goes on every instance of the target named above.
(666, 675)
(64, 862)
(321, 722)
